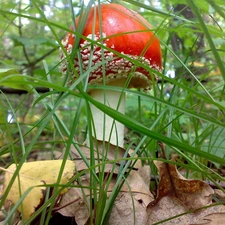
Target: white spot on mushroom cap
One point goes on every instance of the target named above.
(117, 67)
(69, 49)
(64, 42)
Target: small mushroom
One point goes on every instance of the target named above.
(121, 37)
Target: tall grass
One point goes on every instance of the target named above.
(186, 115)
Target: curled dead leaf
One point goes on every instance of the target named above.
(193, 194)
(179, 200)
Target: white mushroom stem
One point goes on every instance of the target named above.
(104, 126)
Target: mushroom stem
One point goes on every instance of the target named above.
(104, 126)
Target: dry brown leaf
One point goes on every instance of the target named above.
(76, 205)
(165, 208)
(31, 175)
(100, 151)
(138, 187)
(112, 152)
(193, 194)
(213, 219)
(14, 220)
(134, 192)
(130, 203)
(143, 170)
(169, 207)
(126, 209)
(220, 194)
(177, 195)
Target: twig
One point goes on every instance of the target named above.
(21, 34)
(32, 64)
(6, 90)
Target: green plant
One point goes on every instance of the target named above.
(184, 110)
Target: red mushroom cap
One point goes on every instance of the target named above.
(123, 31)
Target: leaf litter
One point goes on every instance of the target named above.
(179, 200)
(178, 195)
(130, 204)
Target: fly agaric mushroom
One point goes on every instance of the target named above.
(121, 38)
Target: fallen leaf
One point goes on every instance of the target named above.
(129, 206)
(75, 203)
(170, 211)
(193, 194)
(166, 208)
(127, 210)
(179, 200)
(213, 219)
(131, 203)
(220, 194)
(143, 169)
(102, 153)
(113, 152)
(140, 191)
(33, 175)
